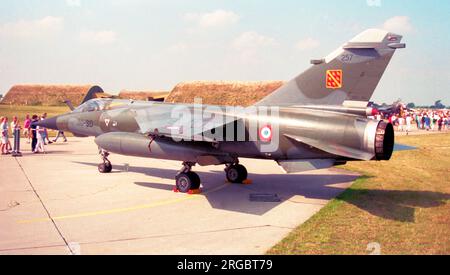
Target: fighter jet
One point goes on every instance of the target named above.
(318, 120)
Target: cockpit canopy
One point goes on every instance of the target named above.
(91, 106)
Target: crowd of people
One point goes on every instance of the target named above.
(418, 120)
(35, 135)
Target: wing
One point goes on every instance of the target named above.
(297, 166)
(335, 149)
(192, 126)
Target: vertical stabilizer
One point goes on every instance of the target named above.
(351, 73)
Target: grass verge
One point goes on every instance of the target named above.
(403, 205)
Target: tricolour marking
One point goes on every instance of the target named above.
(265, 133)
(334, 79)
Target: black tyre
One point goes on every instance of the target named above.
(195, 180)
(105, 168)
(184, 182)
(236, 173)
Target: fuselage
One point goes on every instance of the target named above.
(295, 132)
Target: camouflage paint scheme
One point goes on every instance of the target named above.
(316, 126)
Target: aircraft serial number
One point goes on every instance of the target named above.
(88, 123)
(347, 58)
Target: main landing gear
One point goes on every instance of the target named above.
(186, 180)
(189, 182)
(106, 166)
(236, 173)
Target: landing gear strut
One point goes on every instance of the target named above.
(186, 180)
(106, 166)
(236, 173)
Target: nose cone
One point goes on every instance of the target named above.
(50, 123)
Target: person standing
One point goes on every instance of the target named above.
(27, 128)
(15, 125)
(4, 136)
(45, 131)
(40, 146)
(447, 121)
(440, 123)
(409, 120)
(33, 127)
(437, 117)
(427, 123)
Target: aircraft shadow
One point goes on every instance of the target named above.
(236, 198)
(395, 205)
(388, 204)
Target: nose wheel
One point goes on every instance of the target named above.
(106, 166)
(186, 180)
(236, 173)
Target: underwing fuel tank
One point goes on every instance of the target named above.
(138, 145)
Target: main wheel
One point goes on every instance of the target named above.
(187, 181)
(195, 180)
(236, 173)
(105, 168)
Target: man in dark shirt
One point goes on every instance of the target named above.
(33, 132)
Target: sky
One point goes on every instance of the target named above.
(155, 44)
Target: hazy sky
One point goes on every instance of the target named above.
(155, 44)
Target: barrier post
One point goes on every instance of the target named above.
(16, 151)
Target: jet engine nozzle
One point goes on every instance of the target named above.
(384, 141)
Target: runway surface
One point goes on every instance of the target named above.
(60, 204)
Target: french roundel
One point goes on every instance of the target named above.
(266, 133)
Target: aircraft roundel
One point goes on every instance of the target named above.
(265, 133)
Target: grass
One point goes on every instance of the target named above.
(403, 204)
(22, 111)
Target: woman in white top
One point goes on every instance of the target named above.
(15, 126)
(409, 120)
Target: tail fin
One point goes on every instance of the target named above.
(351, 73)
(91, 93)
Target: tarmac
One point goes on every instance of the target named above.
(59, 203)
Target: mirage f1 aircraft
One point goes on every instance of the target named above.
(318, 120)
